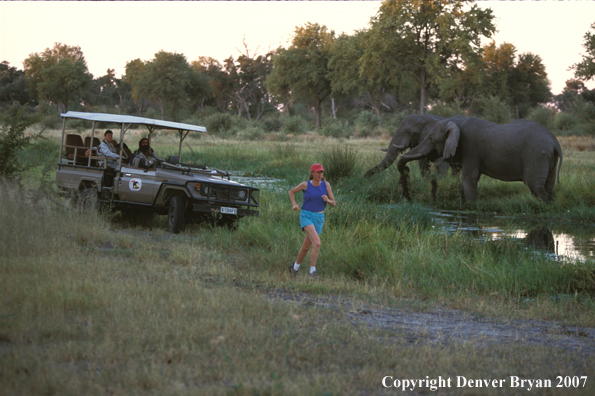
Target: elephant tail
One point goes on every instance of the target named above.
(560, 164)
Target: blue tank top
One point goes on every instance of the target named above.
(313, 201)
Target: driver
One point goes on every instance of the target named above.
(145, 142)
(144, 153)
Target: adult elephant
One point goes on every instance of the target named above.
(520, 151)
(410, 132)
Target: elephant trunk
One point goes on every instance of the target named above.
(391, 155)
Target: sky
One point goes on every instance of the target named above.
(111, 33)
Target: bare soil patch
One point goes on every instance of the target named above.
(448, 326)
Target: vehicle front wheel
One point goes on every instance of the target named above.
(88, 201)
(175, 214)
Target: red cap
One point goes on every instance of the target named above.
(316, 168)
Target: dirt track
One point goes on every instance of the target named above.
(448, 326)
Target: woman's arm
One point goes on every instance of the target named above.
(299, 187)
(329, 198)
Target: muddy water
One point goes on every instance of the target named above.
(562, 241)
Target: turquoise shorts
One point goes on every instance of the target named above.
(312, 218)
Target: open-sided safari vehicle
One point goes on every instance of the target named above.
(183, 192)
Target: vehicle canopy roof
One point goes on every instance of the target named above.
(127, 119)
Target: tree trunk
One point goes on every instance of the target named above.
(317, 111)
(333, 108)
(424, 93)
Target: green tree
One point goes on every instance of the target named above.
(585, 70)
(134, 78)
(350, 77)
(529, 83)
(428, 39)
(219, 81)
(13, 86)
(12, 141)
(58, 75)
(165, 81)
(301, 71)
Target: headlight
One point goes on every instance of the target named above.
(242, 195)
(205, 190)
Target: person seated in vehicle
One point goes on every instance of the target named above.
(144, 153)
(107, 149)
(141, 143)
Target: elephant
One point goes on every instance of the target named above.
(523, 150)
(410, 132)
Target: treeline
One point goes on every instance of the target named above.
(416, 57)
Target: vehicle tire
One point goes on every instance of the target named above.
(175, 214)
(88, 201)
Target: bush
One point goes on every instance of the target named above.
(564, 122)
(294, 124)
(541, 115)
(366, 123)
(271, 124)
(339, 161)
(492, 108)
(220, 123)
(335, 128)
(12, 142)
(443, 110)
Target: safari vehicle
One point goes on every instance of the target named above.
(183, 192)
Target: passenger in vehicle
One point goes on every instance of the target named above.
(141, 143)
(144, 153)
(107, 149)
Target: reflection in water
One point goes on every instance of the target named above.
(572, 241)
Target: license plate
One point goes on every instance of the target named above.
(229, 210)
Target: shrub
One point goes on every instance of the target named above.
(492, 108)
(541, 115)
(366, 123)
(442, 110)
(335, 128)
(294, 124)
(12, 142)
(272, 124)
(564, 122)
(339, 161)
(220, 123)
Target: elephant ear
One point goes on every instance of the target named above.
(452, 141)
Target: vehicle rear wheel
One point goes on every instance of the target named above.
(175, 214)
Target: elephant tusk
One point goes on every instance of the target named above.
(384, 149)
(412, 156)
(399, 147)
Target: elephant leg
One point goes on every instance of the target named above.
(551, 178)
(469, 179)
(424, 167)
(537, 182)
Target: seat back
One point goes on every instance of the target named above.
(96, 141)
(73, 140)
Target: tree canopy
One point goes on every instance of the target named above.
(58, 74)
(585, 70)
(301, 71)
(427, 39)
